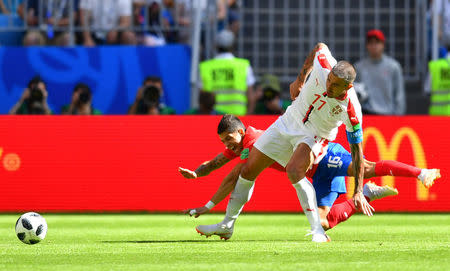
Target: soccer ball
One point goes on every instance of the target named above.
(31, 228)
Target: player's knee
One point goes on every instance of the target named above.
(246, 172)
(294, 172)
(293, 176)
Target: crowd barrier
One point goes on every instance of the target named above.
(129, 163)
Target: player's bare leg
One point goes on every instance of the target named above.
(395, 168)
(256, 163)
(296, 169)
(323, 212)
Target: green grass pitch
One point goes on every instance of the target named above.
(260, 242)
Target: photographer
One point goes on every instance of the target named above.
(147, 103)
(33, 100)
(81, 102)
(270, 102)
(160, 106)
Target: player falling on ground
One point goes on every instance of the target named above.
(299, 138)
(327, 176)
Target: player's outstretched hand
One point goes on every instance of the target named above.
(188, 174)
(196, 212)
(361, 203)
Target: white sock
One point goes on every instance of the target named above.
(241, 194)
(307, 197)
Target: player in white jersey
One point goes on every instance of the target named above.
(299, 138)
(321, 114)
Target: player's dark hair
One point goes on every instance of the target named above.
(229, 123)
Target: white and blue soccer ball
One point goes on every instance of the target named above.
(31, 228)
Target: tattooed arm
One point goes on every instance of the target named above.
(205, 168)
(358, 167)
(297, 85)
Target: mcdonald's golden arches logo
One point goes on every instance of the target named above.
(390, 152)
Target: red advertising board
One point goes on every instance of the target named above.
(123, 163)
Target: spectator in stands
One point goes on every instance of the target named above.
(443, 31)
(233, 15)
(206, 101)
(184, 15)
(161, 19)
(147, 13)
(47, 14)
(382, 78)
(230, 78)
(437, 82)
(110, 20)
(268, 92)
(184, 18)
(9, 6)
(33, 100)
(81, 102)
(221, 16)
(444, 23)
(145, 99)
(169, 21)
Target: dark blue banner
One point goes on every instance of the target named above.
(114, 74)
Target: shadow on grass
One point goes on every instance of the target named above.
(193, 241)
(159, 241)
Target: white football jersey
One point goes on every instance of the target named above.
(321, 115)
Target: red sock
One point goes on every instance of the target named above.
(394, 168)
(340, 212)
